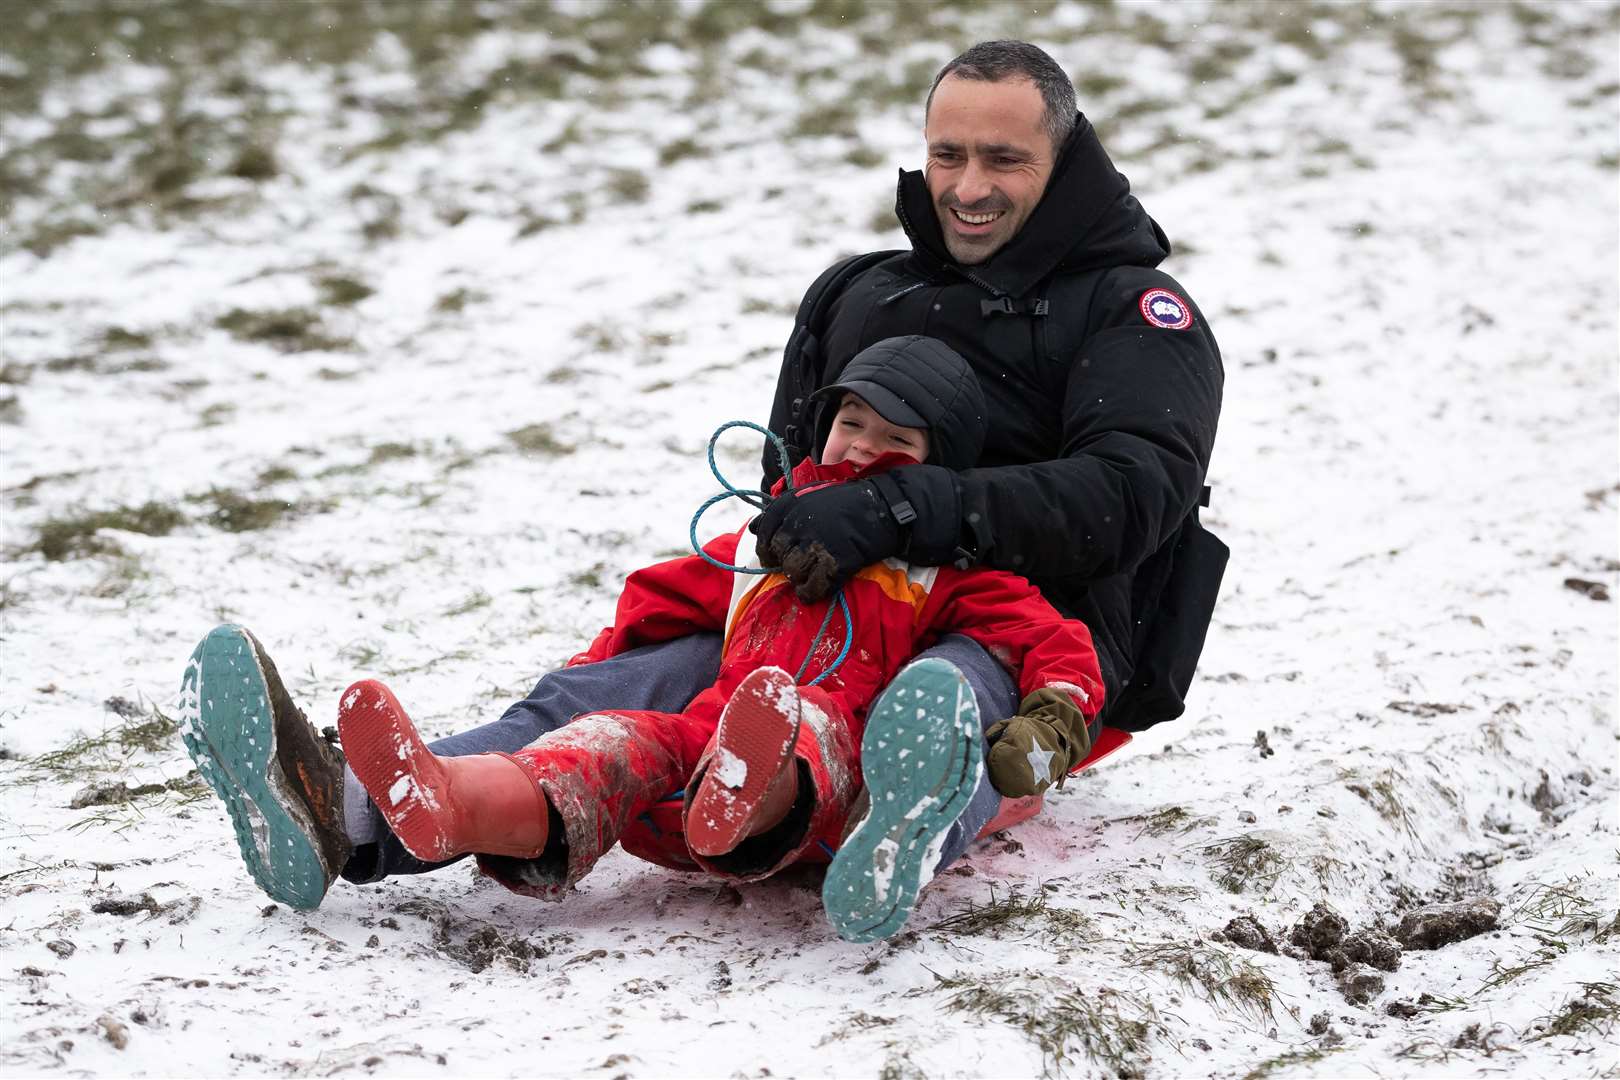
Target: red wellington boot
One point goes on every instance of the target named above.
(748, 778)
(439, 807)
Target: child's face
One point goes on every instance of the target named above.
(860, 435)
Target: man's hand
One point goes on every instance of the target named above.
(820, 539)
(1041, 744)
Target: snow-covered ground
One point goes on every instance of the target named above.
(412, 392)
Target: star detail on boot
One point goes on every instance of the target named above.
(1040, 763)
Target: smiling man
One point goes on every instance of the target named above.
(1102, 383)
(1031, 258)
(989, 158)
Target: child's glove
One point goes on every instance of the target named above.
(1041, 744)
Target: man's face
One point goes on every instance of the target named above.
(988, 162)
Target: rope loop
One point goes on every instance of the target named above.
(759, 500)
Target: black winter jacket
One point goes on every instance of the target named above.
(1101, 419)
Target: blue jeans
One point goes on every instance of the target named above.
(661, 678)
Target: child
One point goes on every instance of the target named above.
(765, 767)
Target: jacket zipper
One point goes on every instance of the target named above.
(905, 223)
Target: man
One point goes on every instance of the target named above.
(1032, 260)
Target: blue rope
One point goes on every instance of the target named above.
(759, 500)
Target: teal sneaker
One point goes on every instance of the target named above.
(281, 783)
(921, 758)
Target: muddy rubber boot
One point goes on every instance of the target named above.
(746, 764)
(282, 784)
(921, 759)
(439, 807)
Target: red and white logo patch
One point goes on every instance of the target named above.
(1166, 310)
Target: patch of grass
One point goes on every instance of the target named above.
(538, 439)
(1595, 1012)
(117, 337)
(123, 573)
(588, 579)
(288, 330)
(1380, 793)
(390, 451)
(1559, 910)
(216, 414)
(755, 305)
(1502, 974)
(681, 150)
(255, 161)
(1216, 64)
(275, 474)
(1308, 1056)
(342, 290)
(234, 512)
(474, 601)
(533, 223)
(381, 213)
(1159, 822)
(705, 206)
(78, 362)
(864, 157)
(144, 364)
(69, 537)
(1113, 1026)
(824, 121)
(1244, 861)
(139, 728)
(628, 185)
(1015, 911)
(600, 337)
(456, 300)
(13, 373)
(1225, 978)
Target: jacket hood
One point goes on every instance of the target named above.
(913, 381)
(1086, 219)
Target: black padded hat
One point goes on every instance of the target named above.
(917, 382)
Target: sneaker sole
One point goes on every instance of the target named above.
(753, 742)
(229, 729)
(924, 747)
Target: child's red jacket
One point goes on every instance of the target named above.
(897, 611)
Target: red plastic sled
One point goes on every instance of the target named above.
(657, 837)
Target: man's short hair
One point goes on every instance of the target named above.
(998, 61)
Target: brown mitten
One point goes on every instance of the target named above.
(1041, 744)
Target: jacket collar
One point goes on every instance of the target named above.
(808, 474)
(1086, 218)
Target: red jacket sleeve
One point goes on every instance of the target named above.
(668, 600)
(1016, 625)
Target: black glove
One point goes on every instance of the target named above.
(821, 539)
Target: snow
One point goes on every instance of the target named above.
(1409, 259)
(729, 769)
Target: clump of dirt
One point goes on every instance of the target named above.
(114, 794)
(1321, 930)
(1487, 1040)
(1246, 932)
(126, 905)
(1373, 948)
(1439, 925)
(487, 946)
(1360, 984)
